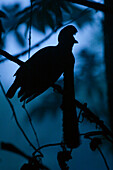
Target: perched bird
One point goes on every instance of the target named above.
(44, 68)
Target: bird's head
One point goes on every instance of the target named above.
(66, 35)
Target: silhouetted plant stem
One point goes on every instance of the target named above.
(15, 57)
(94, 144)
(88, 114)
(103, 158)
(37, 44)
(47, 145)
(95, 5)
(10, 147)
(10, 57)
(108, 52)
(30, 23)
(96, 133)
(14, 114)
(70, 122)
(30, 121)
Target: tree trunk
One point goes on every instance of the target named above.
(109, 56)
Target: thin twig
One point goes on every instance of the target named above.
(97, 147)
(47, 145)
(103, 158)
(92, 133)
(88, 114)
(95, 133)
(90, 4)
(24, 52)
(28, 58)
(14, 114)
(30, 29)
(48, 36)
(30, 120)
(37, 44)
(85, 11)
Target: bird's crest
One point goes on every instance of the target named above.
(67, 31)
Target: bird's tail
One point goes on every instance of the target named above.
(12, 90)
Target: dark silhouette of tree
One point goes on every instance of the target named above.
(108, 55)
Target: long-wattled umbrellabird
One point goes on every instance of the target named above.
(44, 68)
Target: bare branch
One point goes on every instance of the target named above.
(47, 145)
(103, 158)
(10, 57)
(30, 23)
(15, 58)
(30, 120)
(95, 5)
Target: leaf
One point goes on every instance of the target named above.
(65, 7)
(20, 38)
(63, 157)
(1, 27)
(50, 20)
(85, 17)
(40, 24)
(11, 8)
(2, 14)
(95, 142)
(1, 31)
(81, 16)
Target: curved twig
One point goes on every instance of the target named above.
(30, 120)
(103, 158)
(14, 114)
(47, 145)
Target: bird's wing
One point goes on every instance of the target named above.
(39, 72)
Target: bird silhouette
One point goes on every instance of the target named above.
(44, 68)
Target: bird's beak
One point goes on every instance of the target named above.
(75, 41)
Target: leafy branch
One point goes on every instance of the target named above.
(88, 114)
(15, 57)
(65, 155)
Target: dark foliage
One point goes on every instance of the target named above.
(45, 13)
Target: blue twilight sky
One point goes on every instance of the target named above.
(49, 129)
